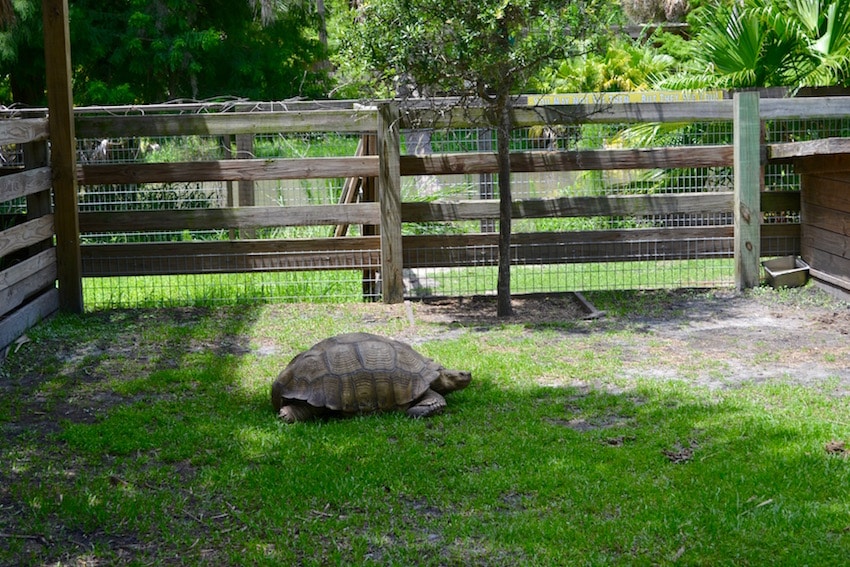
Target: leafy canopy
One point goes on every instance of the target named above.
(471, 48)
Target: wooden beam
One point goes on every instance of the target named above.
(748, 179)
(583, 160)
(17, 323)
(57, 55)
(614, 205)
(346, 120)
(389, 195)
(214, 219)
(19, 131)
(232, 170)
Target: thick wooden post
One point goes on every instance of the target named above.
(389, 195)
(57, 55)
(747, 172)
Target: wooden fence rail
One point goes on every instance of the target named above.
(28, 266)
(385, 249)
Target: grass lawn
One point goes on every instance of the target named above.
(147, 437)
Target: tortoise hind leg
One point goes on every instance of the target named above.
(293, 412)
(431, 403)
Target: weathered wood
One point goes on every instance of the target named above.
(828, 219)
(748, 177)
(709, 111)
(57, 54)
(583, 160)
(17, 323)
(213, 219)
(825, 262)
(26, 234)
(346, 120)
(233, 170)
(615, 205)
(23, 130)
(25, 182)
(812, 148)
(40, 203)
(424, 251)
(389, 195)
(164, 258)
(827, 191)
(245, 193)
(23, 280)
(804, 108)
(828, 241)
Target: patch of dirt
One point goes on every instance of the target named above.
(717, 339)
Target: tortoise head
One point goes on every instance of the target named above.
(451, 380)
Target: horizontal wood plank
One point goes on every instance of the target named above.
(804, 108)
(825, 262)
(25, 279)
(25, 182)
(23, 130)
(232, 123)
(569, 247)
(615, 205)
(17, 323)
(228, 170)
(833, 243)
(583, 160)
(828, 219)
(213, 219)
(602, 113)
(826, 191)
(231, 256)
(26, 234)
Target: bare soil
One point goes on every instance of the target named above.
(716, 339)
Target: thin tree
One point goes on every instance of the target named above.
(480, 51)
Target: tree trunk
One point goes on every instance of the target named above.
(503, 139)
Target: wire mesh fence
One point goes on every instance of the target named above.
(651, 266)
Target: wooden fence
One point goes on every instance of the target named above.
(28, 267)
(389, 250)
(385, 248)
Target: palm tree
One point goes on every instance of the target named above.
(764, 43)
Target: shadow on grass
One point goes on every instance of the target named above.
(170, 453)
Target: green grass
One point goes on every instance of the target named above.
(147, 437)
(336, 286)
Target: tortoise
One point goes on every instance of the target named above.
(356, 373)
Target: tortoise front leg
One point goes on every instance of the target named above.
(293, 412)
(431, 403)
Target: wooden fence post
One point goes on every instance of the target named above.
(747, 173)
(57, 56)
(389, 195)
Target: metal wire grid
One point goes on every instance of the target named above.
(652, 272)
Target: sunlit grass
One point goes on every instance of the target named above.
(180, 454)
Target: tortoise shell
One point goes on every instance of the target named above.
(356, 373)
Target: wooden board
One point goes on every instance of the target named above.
(339, 120)
(646, 158)
(229, 170)
(827, 191)
(231, 256)
(25, 279)
(615, 205)
(23, 183)
(23, 130)
(242, 218)
(26, 234)
(17, 323)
